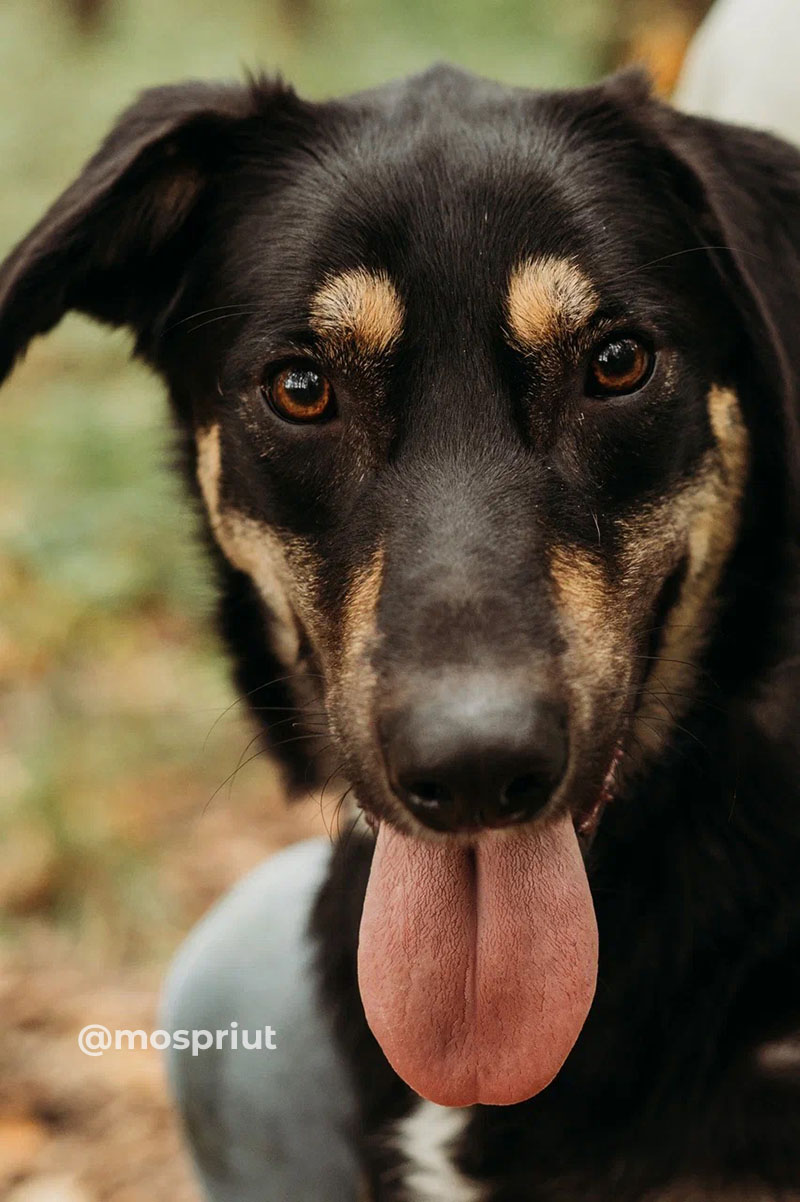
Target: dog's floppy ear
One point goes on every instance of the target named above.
(111, 245)
(744, 187)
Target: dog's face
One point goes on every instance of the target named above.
(461, 378)
(467, 418)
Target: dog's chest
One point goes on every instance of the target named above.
(426, 1143)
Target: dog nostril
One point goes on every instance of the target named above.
(523, 797)
(429, 794)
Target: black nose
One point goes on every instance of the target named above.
(472, 753)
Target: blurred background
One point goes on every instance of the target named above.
(128, 798)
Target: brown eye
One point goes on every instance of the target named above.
(300, 393)
(618, 367)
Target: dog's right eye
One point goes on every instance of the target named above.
(300, 393)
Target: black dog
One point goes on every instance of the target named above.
(492, 401)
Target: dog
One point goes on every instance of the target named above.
(490, 400)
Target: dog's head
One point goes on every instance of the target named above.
(484, 388)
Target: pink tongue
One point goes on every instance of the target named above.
(477, 967)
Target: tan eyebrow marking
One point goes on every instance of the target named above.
(547, 297)
(360, 306)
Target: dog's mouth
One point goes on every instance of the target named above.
(478, 958)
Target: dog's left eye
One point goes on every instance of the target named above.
(300, 393)
(619, 366)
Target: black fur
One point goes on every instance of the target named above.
(205, 223)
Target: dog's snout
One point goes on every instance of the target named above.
(466, 755)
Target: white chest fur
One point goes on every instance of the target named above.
(426, 1140)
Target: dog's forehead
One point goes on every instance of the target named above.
(519, 221)
(433, 223)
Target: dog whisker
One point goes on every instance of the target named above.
(233, 308)
(245, 697)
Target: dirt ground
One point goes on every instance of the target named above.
(75, 1128)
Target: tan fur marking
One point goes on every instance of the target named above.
(359, 306)
(282, 569)
(354, 680)
(703, 520)
(595, 648)
(780, 1056)
(362, 600)
(360, 620)
(547, 298)
(700, 521)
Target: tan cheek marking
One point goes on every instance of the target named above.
(355, 681)
(547, 298)
(360, 307)
(702, 520)
(594, 655)
(282, 569)
(361, 607)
